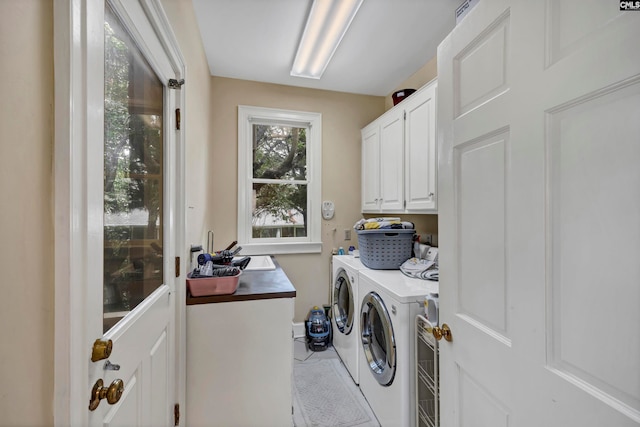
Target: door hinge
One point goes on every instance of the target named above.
(176, 414)
(177, 266)
(405, 115)
(175, 84)
(177, 119)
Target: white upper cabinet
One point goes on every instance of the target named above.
(399, 157)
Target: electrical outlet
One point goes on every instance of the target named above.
(347, 234)
(426, 239)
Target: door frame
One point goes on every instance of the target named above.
(74, 225)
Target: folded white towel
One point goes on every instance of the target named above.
(420, 268)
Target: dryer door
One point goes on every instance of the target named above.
(343, 305)
(378, 341)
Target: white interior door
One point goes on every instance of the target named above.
(126, 227)
(538, 215)
(139, 303)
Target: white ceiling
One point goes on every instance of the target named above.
(387, 42)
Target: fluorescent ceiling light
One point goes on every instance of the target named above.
(327, 23)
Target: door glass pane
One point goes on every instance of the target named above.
(343, 310)
(378, 341)
(133, 175)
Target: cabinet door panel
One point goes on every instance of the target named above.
(371, 168)
(420, 151)
(391, 161)
(236, 351)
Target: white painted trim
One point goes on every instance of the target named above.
(69, 151)
(160, 21)
(281, 248)
(248, 115)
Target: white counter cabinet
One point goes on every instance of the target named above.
(240, 363)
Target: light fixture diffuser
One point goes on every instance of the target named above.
(327, 23)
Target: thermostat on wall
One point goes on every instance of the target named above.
(328, 209)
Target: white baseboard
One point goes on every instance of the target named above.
(298, 330)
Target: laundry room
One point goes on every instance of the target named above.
(236, 224)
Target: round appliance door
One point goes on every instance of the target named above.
(343, 305)
(378, 341)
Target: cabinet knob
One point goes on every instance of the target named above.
(431, 195)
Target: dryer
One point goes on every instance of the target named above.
(345, 310)
(390, 302)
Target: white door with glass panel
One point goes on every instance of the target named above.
(539, 215)
(130, 228)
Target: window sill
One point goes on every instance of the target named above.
(280, 248)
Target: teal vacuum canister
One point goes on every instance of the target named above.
(318, 330)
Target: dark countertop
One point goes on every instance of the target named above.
(254, 285)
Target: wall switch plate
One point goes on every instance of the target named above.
(347, 234)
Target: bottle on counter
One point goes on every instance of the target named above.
(340, 250)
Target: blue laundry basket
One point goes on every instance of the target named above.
(385, 249)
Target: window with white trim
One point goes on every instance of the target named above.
(279, 177)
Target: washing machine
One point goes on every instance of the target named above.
(345, 311)
(389, 304)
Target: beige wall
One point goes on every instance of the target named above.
(198, 126)
(343, 115)
(26, 216)
(424, 75)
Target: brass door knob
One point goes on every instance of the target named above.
(101, 350)
(113, 393)
(444, 332)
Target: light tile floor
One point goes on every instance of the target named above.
(302, 353)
